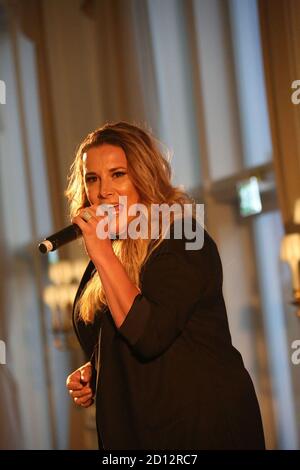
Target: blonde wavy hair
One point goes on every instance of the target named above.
(150, 172)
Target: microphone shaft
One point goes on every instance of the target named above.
(58, 239)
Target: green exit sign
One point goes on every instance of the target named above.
(249, 197)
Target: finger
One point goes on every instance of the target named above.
(80, 393)
(73, 379)
(74, 376)
(85, 225)
(86, 374)
(74, 386)
(92, 209)
(83, 400)
(88, 403)
(88, 213)
(80, 222)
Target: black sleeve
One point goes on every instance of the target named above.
(174, 281)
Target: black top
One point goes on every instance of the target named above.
(169, 377)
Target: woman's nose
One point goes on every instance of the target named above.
(105, 190)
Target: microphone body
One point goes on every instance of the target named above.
(58, 239)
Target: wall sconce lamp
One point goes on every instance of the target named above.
(297, 212)
(290, 253)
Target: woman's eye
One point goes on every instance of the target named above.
(90, 179)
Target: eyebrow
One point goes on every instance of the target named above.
(111, 170)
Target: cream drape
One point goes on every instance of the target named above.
(280, 27)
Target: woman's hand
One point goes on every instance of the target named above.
(120, 290)
(79, 386)
(97, 248)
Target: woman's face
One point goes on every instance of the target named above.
(106, 179)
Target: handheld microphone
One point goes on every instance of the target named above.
(58, 239)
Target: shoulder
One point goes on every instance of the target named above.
(174, 266)
(188, 239)
(188, 249)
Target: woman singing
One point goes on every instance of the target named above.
(149, 313)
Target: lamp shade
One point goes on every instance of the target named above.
(297, 212)
(290, 252)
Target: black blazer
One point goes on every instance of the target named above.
(169, 377)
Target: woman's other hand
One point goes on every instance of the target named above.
(79, 385)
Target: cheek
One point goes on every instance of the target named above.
(87, 191)
(89, 194)
(129, 191)
(133, 194)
